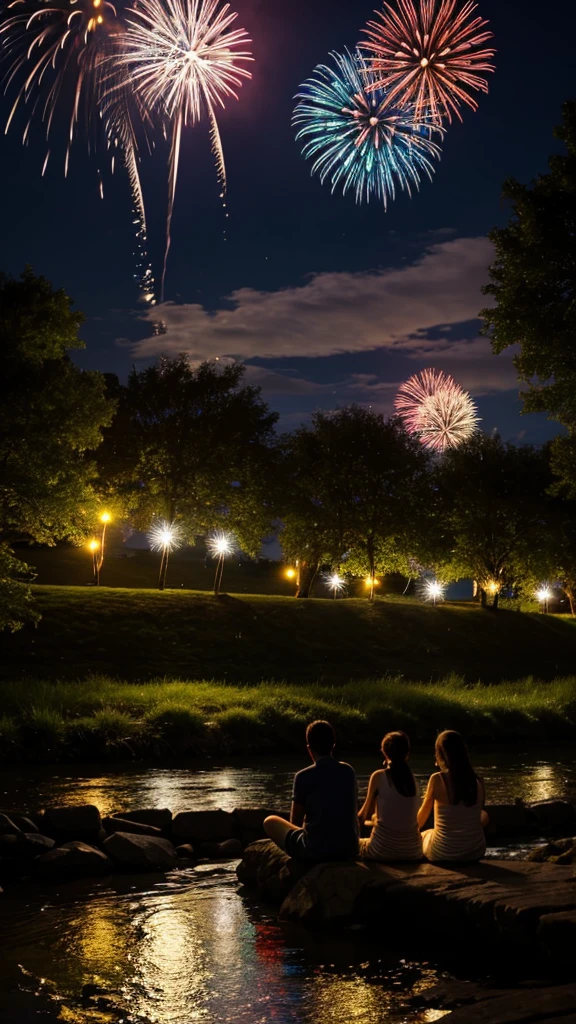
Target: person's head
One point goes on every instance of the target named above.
(396, 750)
(320, 739)
(452, 756)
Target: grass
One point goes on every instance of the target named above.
(138, 635)
(103, 718)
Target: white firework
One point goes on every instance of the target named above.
(437, 410)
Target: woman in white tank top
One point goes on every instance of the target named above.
(393, 794)
(456, 795)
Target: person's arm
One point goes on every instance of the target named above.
(484, 816)
(298, 809)
(369, 805)
(427, 805)
(297, 814)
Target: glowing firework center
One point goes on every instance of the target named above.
(437, 410)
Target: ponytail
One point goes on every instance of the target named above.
(396, 748)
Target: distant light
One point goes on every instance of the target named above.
(335, 583)
(493, 587)
(220, 544)
(371, 582)
(93, 545)
(164, 536)
(290, 574)
(544, 594)
(105, 517)
(435, 590)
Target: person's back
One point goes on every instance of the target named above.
(457, 796)
(323, 822)
(327, 791)
(393, 793)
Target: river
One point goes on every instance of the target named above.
(190, 947)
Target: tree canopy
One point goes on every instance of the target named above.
(191, 444)
(533, 285)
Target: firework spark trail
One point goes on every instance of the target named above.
(437, 410)
(59, 48)
(361, 141)
(184, 60)
(429, 52)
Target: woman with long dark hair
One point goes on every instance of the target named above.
(456, 795)
(393, 795)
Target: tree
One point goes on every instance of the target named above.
(51, 416)
(533, 283)
(354, 487)
(191, 444)
(492, 499)
(16, 605)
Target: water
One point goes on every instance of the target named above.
(190, 947)
(527, 774)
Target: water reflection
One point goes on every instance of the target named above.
(260, 784)
(191, 949)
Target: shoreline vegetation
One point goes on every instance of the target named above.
(103, 719)
(110, 674)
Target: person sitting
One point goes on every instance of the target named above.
(393, 793)
(323, 821)
(456, 794)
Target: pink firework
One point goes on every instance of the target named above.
(429, 53)
(436, 409)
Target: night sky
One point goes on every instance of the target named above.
(328, 302)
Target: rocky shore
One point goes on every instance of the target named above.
(75, 841)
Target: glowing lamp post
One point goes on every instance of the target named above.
(105, 518)
(371, 582)
(543, 596)
(433, 591)
(93, 547)
(290, 574)
(220, 545)
(164, 537)
(336, 584)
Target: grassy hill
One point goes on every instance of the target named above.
(139, 635)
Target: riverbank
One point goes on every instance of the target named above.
(101, 719)
(143, 634)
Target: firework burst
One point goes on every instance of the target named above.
(184, 61)
(437, 410)
(431, 53)
(360, 141)
(54, 52)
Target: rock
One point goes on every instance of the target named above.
(160, 818)
(25, 845)
(250, 823)
(186, 851)
(327, 893)
(556, 934)
(553, 851)
(265, 867)
(73, 859)
(7, 826)
(509, 819)
(78, 822)
(134, 827)
(229, 849)
(24, 823)
(204, 826)
(147, 852)
(553, 814)
(522, 1006)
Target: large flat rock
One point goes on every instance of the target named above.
(521, 902)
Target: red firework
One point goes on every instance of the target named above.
(435, 409)
(427, 52)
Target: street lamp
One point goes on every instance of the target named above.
(105, 518)
(220, 545)
(93, 547)
(164, 537)
(543, 596)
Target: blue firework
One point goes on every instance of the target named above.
(357, 139)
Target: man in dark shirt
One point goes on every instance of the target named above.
(324, 817)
